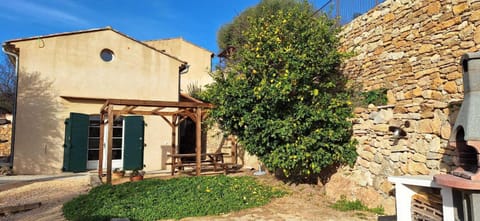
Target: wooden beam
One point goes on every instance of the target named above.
(109, 145)
(179, 113)
(150, 103)
(198, 141)
(104, 107)
(100, 145)
(191, 103)
(191, 115)
(168, 122)
(181, 120)
(205, 114)
(141, 112)
(157, 109)
(129, 108)
(95, 99)
(190, 98)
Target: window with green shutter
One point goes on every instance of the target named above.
(82, 134)
(76, 143)
(133, 142)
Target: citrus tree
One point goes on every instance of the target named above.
(282, 93)
(230, 34)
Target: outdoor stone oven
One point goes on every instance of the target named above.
(465, 139)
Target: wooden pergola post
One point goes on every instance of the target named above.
(234, 150)
(198, 140)
(174, 140)
(100, 145)
(174, 134)
(109, 144)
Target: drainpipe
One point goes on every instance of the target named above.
(14, 112)
(183, 69)
(212, 56)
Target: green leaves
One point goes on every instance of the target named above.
(170, 199)
(376, 97)
(281, 92)
(346, 205)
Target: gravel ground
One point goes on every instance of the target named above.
(305, 202)
(51, 193)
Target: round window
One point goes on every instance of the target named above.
(107, 55)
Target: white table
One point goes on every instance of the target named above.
(404, 190)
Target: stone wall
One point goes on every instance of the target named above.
(234, 152)
(5, 134)
(412, 49)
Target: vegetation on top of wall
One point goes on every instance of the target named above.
(194, 90)
(377, 97)
(282, 94)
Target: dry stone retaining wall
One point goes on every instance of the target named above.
(5, 134)
(412, 48)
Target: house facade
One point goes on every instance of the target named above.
(63, 81)
(198, 71)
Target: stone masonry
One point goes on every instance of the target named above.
(412, 48)
(5, 134)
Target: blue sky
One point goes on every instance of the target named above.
(195, 20)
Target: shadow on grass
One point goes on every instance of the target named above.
(314, 179)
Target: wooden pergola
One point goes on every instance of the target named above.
(178, 111)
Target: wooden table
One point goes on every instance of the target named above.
(211, 159)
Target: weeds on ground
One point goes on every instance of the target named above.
(170, 199)
(347, 205)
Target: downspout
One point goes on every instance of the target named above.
(212, 56)
(183, 69)
(14, 112)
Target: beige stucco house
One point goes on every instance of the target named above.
(181, 48)
(63, 80)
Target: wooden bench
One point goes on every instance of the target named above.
(209, 159)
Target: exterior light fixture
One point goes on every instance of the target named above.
(398, 132)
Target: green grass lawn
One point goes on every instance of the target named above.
(170, 199)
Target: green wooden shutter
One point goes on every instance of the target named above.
(76, 143)
(133, 142)
(66, 146)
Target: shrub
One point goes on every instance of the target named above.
(282, 94)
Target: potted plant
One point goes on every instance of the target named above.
(137, 175)
(117, 173)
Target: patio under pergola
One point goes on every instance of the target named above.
(172, 112)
